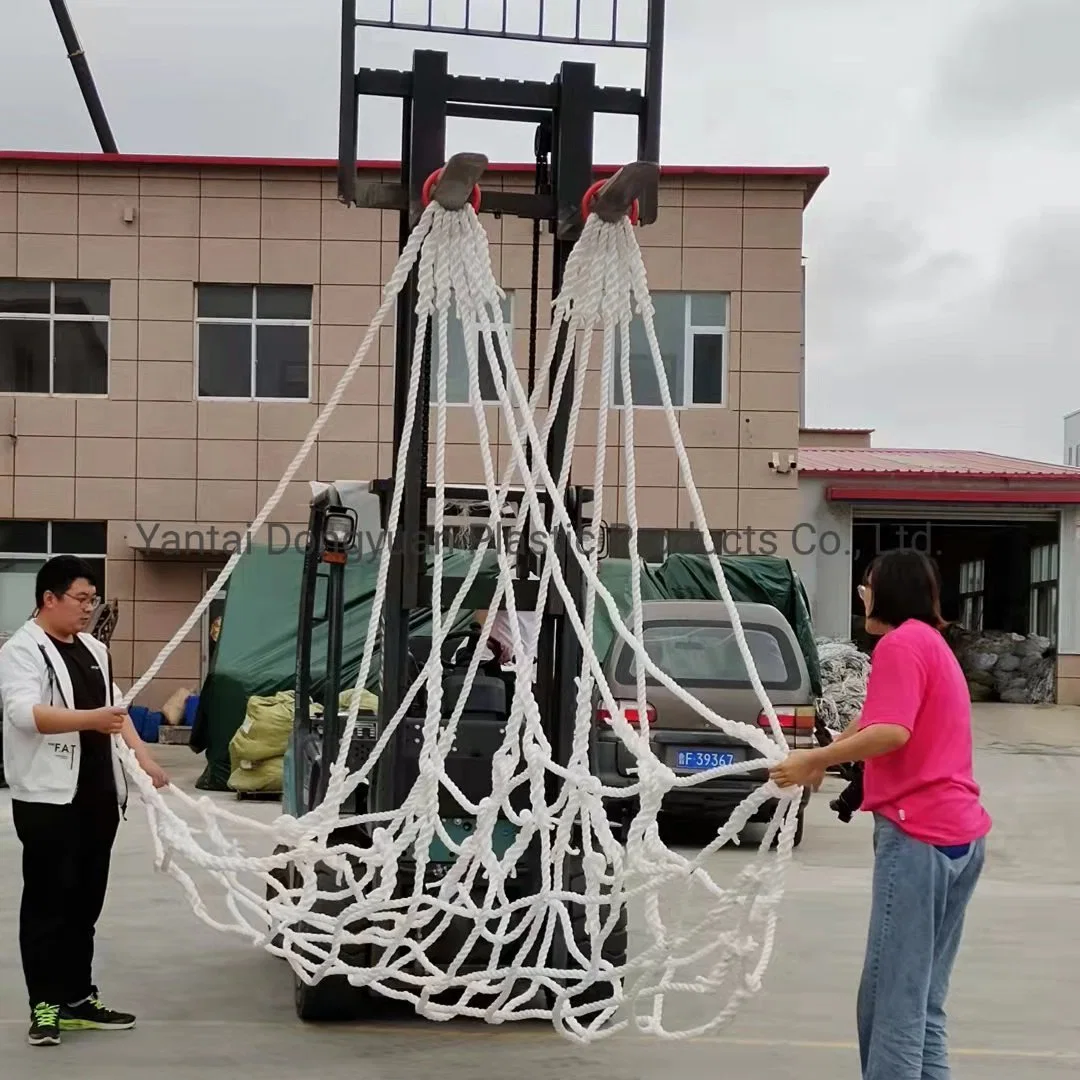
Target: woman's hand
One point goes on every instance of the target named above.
(801, 768)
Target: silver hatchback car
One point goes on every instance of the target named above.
(694, 644)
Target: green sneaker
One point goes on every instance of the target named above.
(44, 1025)
(92, 1015)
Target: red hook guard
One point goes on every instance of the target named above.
(590, 195)
(433, 179)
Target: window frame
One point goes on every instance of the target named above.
(1044, 588)
(254, 322)
(53, 318)
(95, 557)
(690, 331)
(972, 593)
(626, 675)
(508, 326)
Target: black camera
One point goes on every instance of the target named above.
(847, 803)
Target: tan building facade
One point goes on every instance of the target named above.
(169, 329)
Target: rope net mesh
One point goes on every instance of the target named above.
(304, 889)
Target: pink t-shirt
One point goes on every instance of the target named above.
(927, 787)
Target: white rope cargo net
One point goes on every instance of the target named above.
(722, 949)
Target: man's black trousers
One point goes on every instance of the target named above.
(66, 855)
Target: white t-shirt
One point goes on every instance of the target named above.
(502, 633)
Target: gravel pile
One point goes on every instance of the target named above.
(1000, 666)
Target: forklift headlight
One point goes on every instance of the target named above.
(338, 531)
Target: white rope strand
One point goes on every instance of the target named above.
(384, 915)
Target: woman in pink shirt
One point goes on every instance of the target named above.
(930, 827)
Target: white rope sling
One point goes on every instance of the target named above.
(722, 952)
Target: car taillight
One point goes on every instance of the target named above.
(630, 714)
(797, 724)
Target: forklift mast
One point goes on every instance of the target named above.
(564, 112)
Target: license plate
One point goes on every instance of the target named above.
(701, 760)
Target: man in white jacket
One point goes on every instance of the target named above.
(68, 790)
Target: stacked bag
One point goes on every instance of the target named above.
(257, 750)
(1000, 666)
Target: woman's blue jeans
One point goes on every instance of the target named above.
(920, 897)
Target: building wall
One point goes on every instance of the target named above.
(1071, 453)
(835, 438)
(149, 454)
(822, 559)
(826, 527)
(1068, 685)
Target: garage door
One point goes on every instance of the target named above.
(945, 512)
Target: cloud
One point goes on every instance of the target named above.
(989, 367)
(1013, 65)
(941, 273)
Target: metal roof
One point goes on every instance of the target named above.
(927, 464)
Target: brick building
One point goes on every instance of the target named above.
(169, 328)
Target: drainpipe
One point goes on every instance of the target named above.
(83, 77)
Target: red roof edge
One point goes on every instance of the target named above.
(1032, 496)
(815, 175)
(936, 474)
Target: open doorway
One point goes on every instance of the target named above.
(999, 590)
(211, 624)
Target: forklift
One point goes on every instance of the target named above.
(564, 112)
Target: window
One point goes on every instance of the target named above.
(1044, 591)
(54, 337)
(25, 546)
(972, 588)
(691, 330)
(254, 342)
(457, 365)
(707, 654)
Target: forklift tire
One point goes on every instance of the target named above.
(614, 948)
(333, 1000)
(282, 878)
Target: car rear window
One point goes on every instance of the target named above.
(707, 654)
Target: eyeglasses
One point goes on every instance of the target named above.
(88, 602)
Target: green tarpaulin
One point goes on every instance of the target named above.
(256, 652)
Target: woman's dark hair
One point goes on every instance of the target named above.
(59, 574)
(904, 585)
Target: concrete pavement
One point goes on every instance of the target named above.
(210, 1007)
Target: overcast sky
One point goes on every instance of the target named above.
(943, 254)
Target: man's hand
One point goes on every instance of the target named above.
(801, 768)
(158, 776)
(109, 720)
